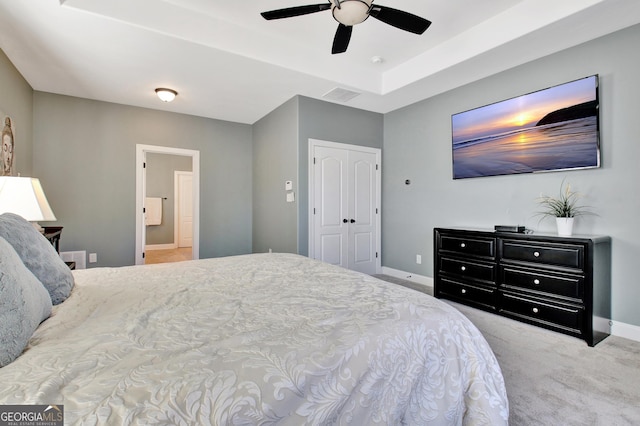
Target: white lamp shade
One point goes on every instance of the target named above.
(24, 196)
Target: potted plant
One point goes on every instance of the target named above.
(564, 208)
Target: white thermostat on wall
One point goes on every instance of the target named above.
(288, 185)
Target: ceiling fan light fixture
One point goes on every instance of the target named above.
(166, 95)
(350, 12)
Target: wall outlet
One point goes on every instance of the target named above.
(93, 257)
(418, 259)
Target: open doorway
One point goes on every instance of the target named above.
(168, 208)
(166, 220)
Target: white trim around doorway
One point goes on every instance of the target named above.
(141, 152)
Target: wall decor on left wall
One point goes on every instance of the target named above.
(7, 146)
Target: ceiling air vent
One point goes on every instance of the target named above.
(340, 95)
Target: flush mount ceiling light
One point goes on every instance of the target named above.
(166, 95)
(352, 12)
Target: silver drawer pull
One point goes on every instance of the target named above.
(463, 268)
(463, 245)
(535, 310)
(536, 281)
(464, 290)
(536, 254)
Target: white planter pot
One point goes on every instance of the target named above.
(565, 226)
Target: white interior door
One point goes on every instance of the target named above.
(344, 205)
(184, 205)
(362, 208)
(331, 206)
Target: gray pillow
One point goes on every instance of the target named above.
(24, 304)
(38, 255)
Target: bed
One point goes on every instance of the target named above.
(255, 340)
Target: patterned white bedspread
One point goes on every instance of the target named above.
(256, 340)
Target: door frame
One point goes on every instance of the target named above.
(313, 143)
(141, 190)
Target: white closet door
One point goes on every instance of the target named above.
(345, 213)
(331, 206)
(362, 208)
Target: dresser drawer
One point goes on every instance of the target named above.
(466, 293)
(567, 317)
(468, 269)
(571, 286)
(469, 246)
(564, 255)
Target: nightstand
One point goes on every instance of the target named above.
(52, 233)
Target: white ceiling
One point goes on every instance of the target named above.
(228, 63)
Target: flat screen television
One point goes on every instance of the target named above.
(552, 129)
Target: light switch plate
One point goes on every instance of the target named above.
(291, 197)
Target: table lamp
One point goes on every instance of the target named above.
(24, 196)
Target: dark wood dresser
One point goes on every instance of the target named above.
(559, 283)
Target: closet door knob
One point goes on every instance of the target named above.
(535, 310)
(344, 221)
(353, 221)
(536, 254)
(463, 245)
(536, 281)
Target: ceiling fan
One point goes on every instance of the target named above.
(351, 12)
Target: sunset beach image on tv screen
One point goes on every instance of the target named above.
(552, 129)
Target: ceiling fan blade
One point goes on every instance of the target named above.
(400, 19)
(290, 12)
(341, 39)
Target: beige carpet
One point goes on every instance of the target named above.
(553, 379)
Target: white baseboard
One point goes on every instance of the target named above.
(161, 246)
(628, 331)
(620, 329)
(418, 279)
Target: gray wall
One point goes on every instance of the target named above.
(160, 183)
(334, 123)
(85, 152)
(275, 154)
(417, 145)
(281, 142)
(16, 101)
